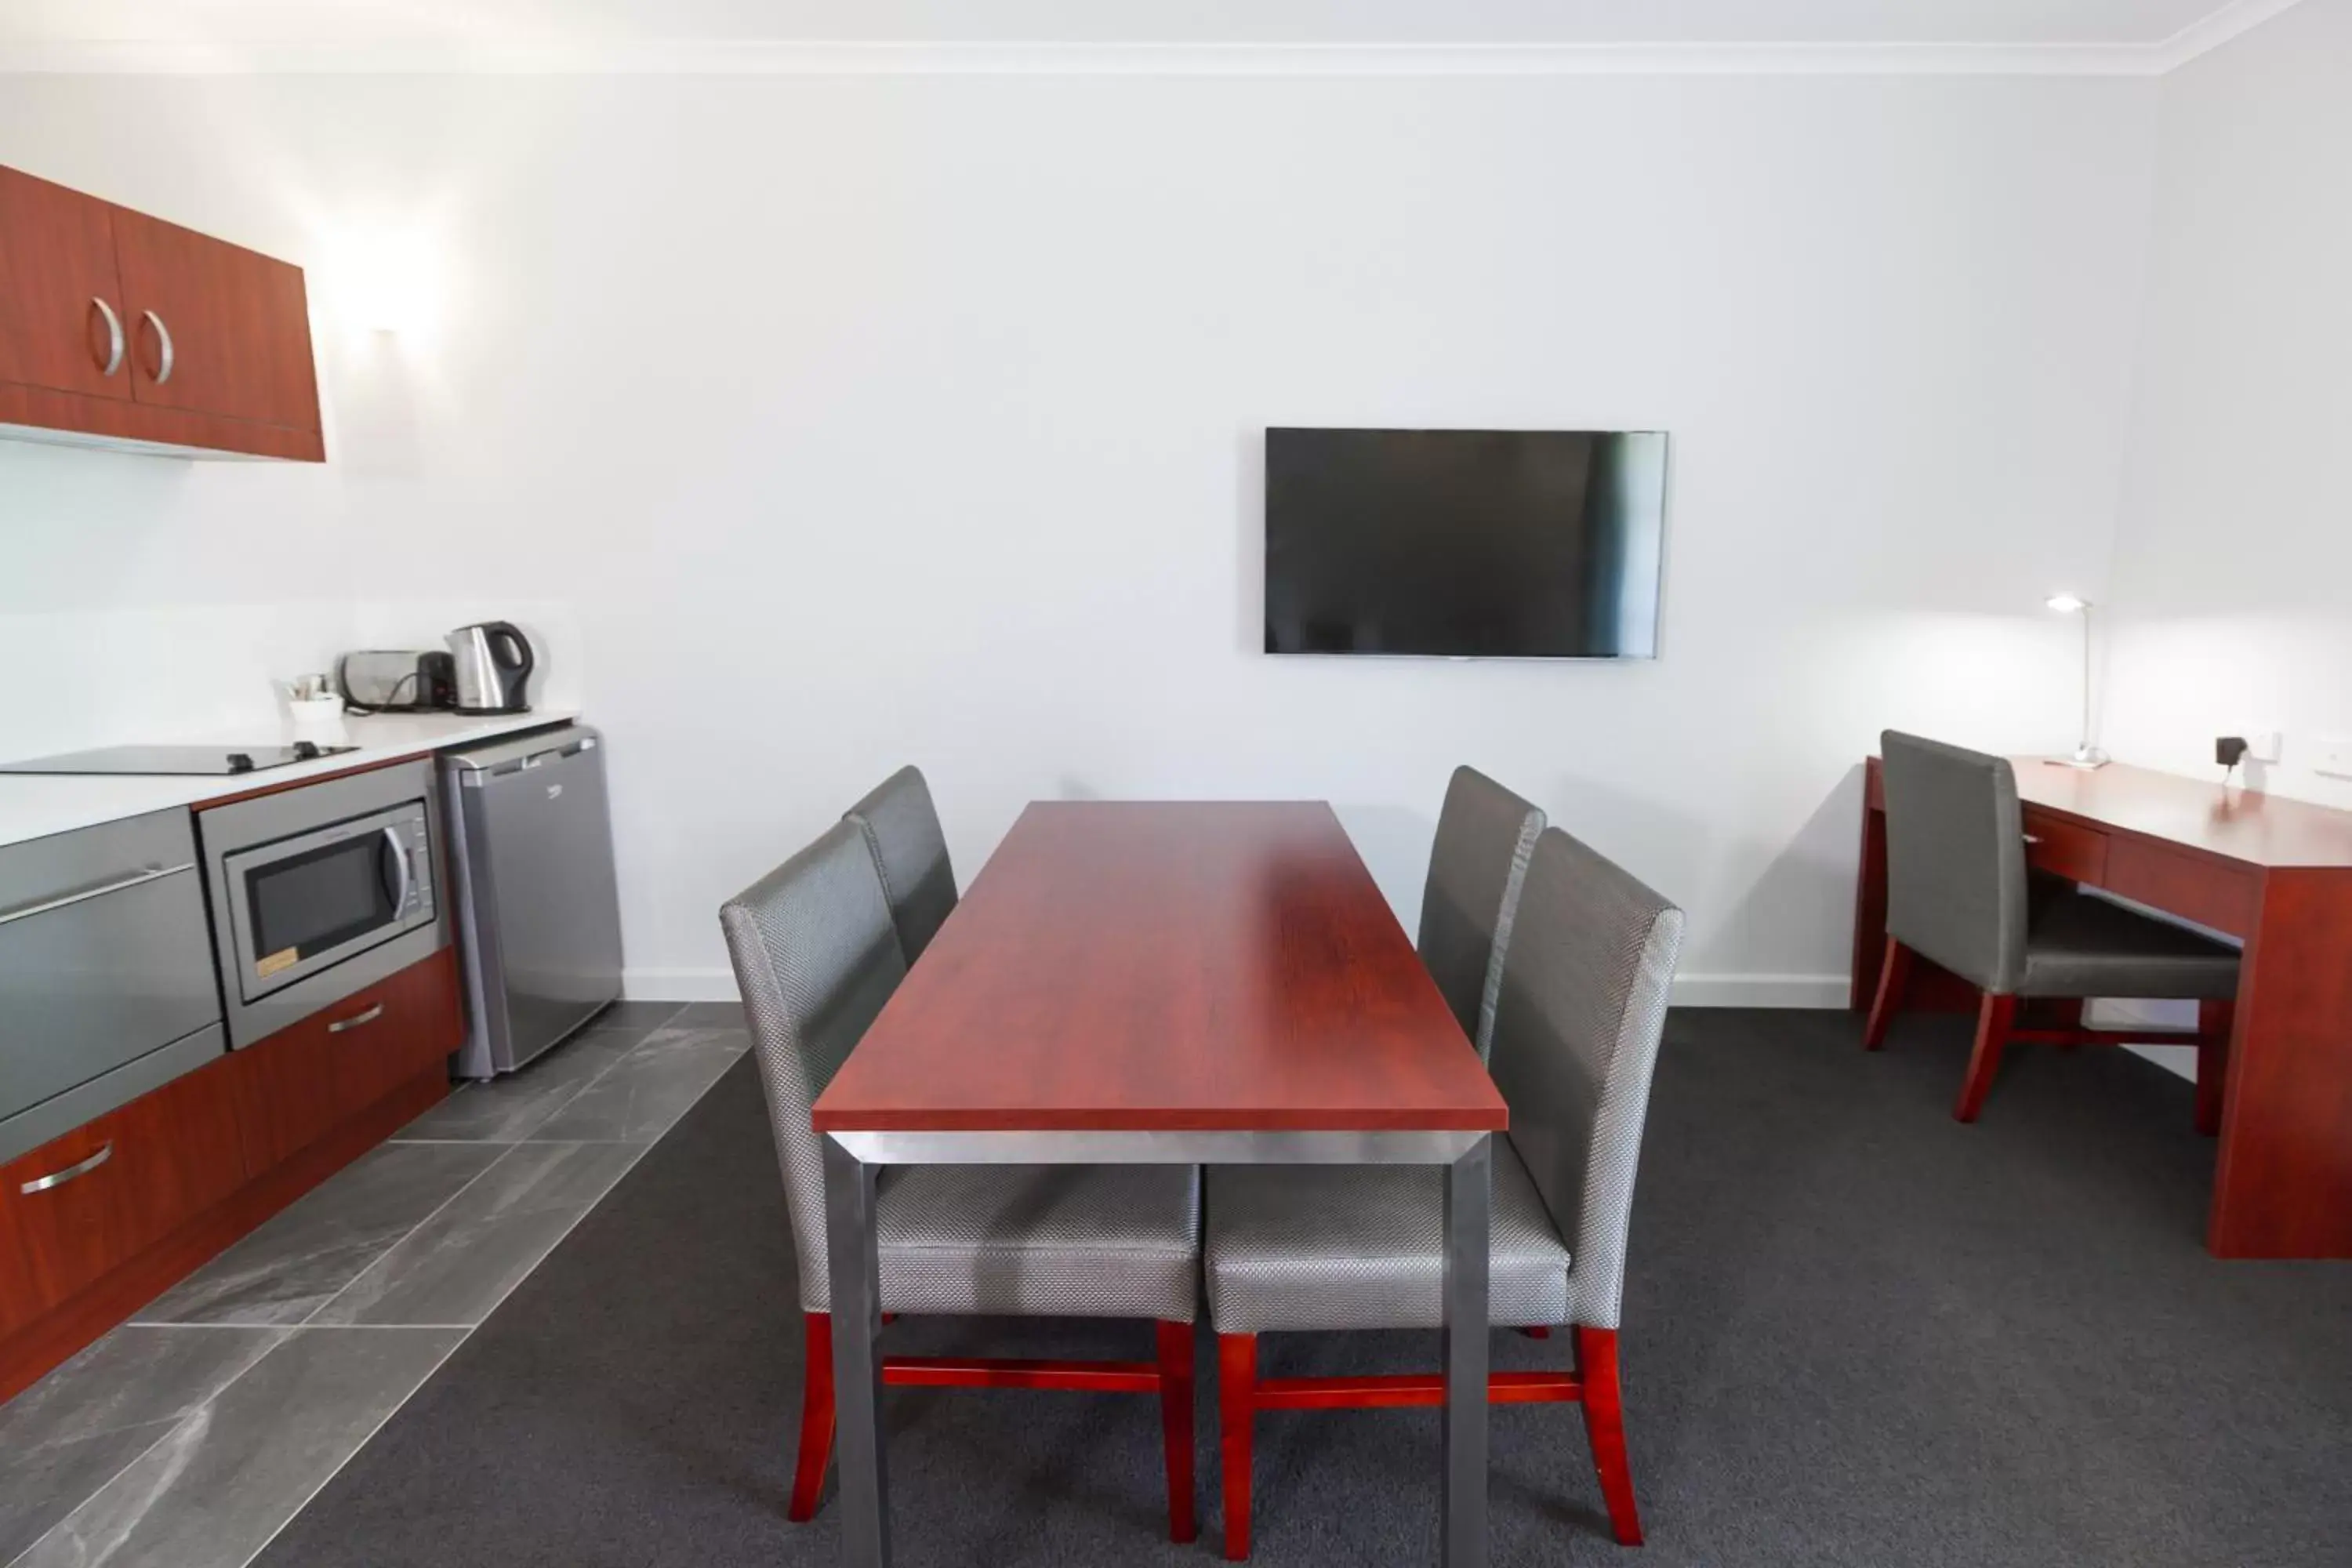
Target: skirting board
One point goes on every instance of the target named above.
(1690, 990)
(2114, 1014)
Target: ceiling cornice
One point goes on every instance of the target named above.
(724, 58)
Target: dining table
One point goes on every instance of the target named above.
(1163, 983)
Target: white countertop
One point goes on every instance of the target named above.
(33, 805)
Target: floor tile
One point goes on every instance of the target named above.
(708, 1016)
(641, 1096)
(222, 1480)
(70, 1433)
(132, 1375)
(634, 1014)
(293, 1264)
(508, 1109)
(459, 1264)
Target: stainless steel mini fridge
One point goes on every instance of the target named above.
(538, 917)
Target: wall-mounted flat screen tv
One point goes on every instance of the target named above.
(1465, 544)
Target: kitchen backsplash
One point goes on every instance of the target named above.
(94, 678)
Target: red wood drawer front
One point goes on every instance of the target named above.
(2065, 848)
(2213, 893)
(311, 1077)
(167, 1156)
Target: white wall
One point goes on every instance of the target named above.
(859, 421)
(2233, 557)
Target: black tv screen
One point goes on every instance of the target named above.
(1466, 543)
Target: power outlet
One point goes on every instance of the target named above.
(2332, 754)
(2262, 746)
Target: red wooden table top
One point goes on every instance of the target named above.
(1146, 966)
(2203, 814)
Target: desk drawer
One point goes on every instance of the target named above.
(2065, 848)
(2214, 893)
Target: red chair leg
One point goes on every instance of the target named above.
(1996, 1018)
(1176, 1426)
(2067, 1014)
(2214, 1022)
(816, 1418)
(1604, 1422)
(1893, 975)
(1236, 1413)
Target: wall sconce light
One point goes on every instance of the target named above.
(383, 277)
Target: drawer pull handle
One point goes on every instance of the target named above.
(72, 1173)
(356, 1020)
(152, 874)
(2033, 838)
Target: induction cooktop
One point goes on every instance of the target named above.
(175, 759)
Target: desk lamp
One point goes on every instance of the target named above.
(2087, 755)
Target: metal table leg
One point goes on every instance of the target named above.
(855, 1271)
(1469, 1183)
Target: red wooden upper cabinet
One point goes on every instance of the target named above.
(120, 329)
(214, 328)
(62, 319)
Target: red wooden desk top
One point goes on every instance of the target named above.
(1147, 966)
(2241, 825)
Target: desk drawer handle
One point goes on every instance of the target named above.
(356, 1020)
(72, 1173)
(2033, 838)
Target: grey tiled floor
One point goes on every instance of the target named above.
(187, 1438)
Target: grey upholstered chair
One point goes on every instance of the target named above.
(1960, 894)
(902, 829)
(1575, 1036)
(1485, 835)
(816, 957)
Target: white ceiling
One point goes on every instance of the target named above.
(51, 33)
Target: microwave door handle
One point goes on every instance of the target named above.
(400, 864)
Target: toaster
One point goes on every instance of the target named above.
(397, 680)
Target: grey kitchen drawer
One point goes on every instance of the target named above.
(105, 954)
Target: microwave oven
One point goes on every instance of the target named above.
(319, 892)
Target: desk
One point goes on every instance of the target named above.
(1164, 985)
(2274, 871)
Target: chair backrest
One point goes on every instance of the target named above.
(1956, 882)
(902, 831)
(816, 958)
(1575, 1038)
(1485, 833)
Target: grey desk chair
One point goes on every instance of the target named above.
(1485, 835)
(902, 829)
(1960, 894)
(1577, 1028)
(816, 957)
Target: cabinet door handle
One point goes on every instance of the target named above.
(114, 344)
(164, 336)
(356, 1020)
(80, 1168)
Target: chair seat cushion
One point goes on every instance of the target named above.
(1360, 1246)
(2083, 946)
(1053, 1241)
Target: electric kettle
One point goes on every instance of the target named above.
(493, 661)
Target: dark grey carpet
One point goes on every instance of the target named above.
(1856, 1333)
